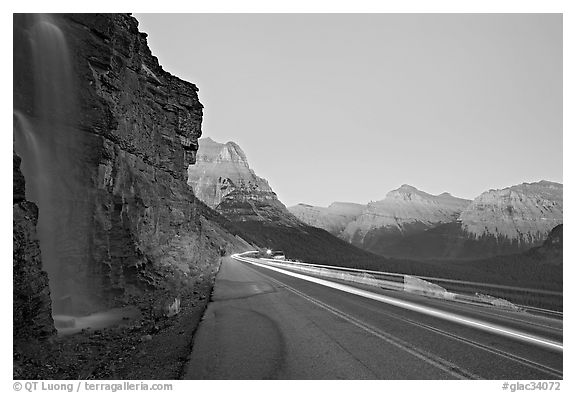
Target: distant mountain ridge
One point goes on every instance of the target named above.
(410, 223)
(404, 210)
(526, 212)
(333, 218)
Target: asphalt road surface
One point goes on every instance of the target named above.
(262, 324)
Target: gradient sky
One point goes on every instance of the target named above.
(346, 107)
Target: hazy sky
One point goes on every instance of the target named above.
(347, 107)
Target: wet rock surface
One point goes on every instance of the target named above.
(31, 296)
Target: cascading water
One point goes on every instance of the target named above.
(45, 139)
(57, 165)
(53, 152)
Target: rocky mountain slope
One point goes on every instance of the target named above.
(333, 218)
(410, 223)
(404, 211)
(222, 168)
(497, 222)
(523, 213)
(106, 136)
(223, 180)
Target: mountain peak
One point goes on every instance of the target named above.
(547, 183)
(406, 187)
(211, 151)
(223, 180)
(408, 192)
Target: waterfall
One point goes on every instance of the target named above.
(58, 163)
(53, 74)
(45, 138)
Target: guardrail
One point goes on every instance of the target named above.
(474, 322)
(501, 296)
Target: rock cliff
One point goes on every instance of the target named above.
(106, 136)
(223, 180)
(221, 169)
(31, 296)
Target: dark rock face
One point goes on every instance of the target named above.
(121, 214)
(31, 296)
(140, 107)
(18, 182)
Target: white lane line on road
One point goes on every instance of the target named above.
(434, 360)
(518, 359)
(537, 366)
(492, 328)
(507, 317)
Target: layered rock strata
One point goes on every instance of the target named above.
(118, 215)
(223, 179)
(523, 213)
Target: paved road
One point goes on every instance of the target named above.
(262, 324)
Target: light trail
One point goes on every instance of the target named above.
(511, 333)
(428, 278)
